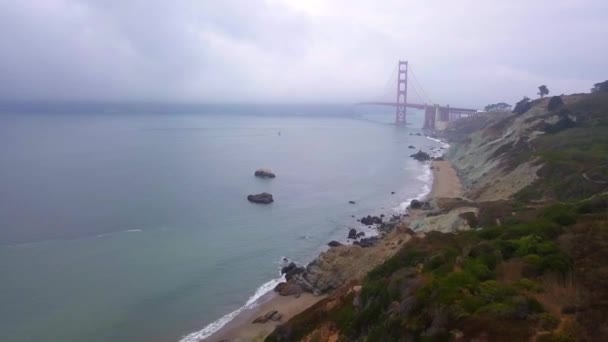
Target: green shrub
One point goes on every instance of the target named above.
(548, 321)
(526, 284)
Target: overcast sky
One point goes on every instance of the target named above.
(464, 53)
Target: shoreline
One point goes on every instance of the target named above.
(445, 183)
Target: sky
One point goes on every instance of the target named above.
(462, 53)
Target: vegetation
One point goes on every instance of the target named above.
(522, 106)
(529, 270)
(498, 107)
(554, 103)
(543, 90)
(600, 87)
(574, 153)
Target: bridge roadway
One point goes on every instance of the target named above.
(413, 105)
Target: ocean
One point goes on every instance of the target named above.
(133, 225)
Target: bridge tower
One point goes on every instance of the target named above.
(400, 118)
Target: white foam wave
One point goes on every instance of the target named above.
(213, 327)
(443, 143)
(427, 178)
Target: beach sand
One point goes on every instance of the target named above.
(445, 184)
(241, 328)
(445, 180)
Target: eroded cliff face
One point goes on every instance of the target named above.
(493, 154)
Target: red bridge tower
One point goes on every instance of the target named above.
(400, 118)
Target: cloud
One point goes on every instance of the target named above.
(463, 53)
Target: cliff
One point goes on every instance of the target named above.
(522, 256)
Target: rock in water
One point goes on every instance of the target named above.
(411, 146)
(352, 233)
(264, 173)
(351, 202)
(369, 220)
(263, 198)
(421, 156)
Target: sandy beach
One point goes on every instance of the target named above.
(445, 180)
(242, 329)
(445, 184)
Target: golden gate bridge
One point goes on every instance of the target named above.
(435, 116)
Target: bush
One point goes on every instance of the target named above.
(526, 284)
(554, 103)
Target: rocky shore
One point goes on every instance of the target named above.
(343, 264)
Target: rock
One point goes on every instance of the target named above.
(288, 288)
(334, 243)
(392, 192)
(411, 146)
(440, 158)
(293, 272)
(367, 242)
(418, 134)
(415, 204)
(292, 265)
(352, 202)
(352, 233)
(360, 234)
(264, 173)
(270, 315)
(369, 220)
(263, 198)
(421, 156)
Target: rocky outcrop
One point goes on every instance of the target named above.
(288, 289)
(263, 198)
(334, 243)
(334, 267)
(367, 242)
(264, 173)
(352, 233)
(369, 220)
(421, 156)
(272, 315)
(422, 205)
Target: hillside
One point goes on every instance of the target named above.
(531, 262)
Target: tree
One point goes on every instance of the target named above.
(522, 106)
(601, 87)
(543, 90)
(497, 107)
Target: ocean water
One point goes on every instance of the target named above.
(135, 226)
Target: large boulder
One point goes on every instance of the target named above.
(421, 156)
(288, 289)
(264, 173)
(352, 233)
(263, 198)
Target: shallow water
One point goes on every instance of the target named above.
(136, 227)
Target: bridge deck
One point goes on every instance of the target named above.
(413, 105)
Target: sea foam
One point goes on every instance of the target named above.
(213, 327)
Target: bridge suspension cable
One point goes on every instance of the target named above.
(420, 87)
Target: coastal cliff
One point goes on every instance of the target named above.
(521, 255)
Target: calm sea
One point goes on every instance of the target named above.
(135, 226)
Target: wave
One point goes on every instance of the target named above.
(427, 178)
(216, 325)
(443, 143)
